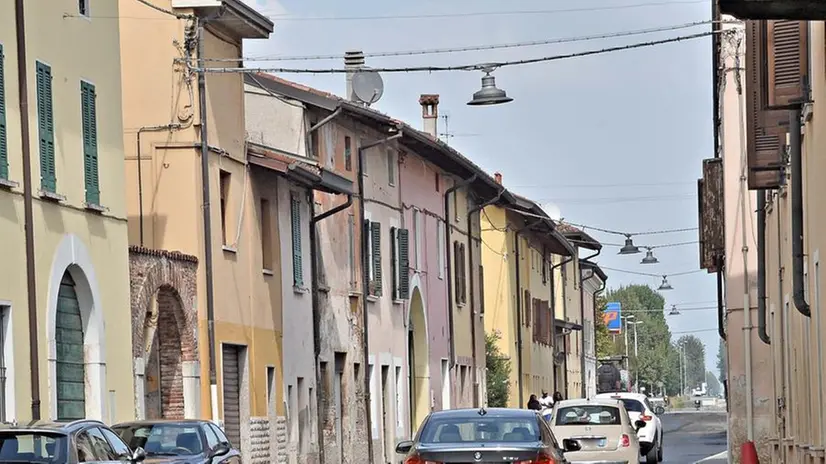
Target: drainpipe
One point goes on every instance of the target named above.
(167, 127)
(210, 295)
(366, 288)
(721, 329)
(475, 379)
(452, 342)
(584, 378)
(28, 206)
(317, 311)
(518, 311)
(797, 214)
(761, 268)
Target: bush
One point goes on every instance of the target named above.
(498, 372)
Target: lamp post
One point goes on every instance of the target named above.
(636, 352)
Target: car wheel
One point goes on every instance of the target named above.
(651, 457)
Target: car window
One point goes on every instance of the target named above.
(166, 439)
(633, 405)
(589, 415)
(103, 450)
(121, 449)
(547, 433)
(481, 429)
(37, 447)
(211, 437)
(221, 436)
(85, 448)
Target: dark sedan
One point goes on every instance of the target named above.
(485, 436)
(179, 442)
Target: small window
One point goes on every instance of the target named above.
(440, 232)
(83, 7)
(348, 154)
(391, 168)
(438, 182)
(295, 220)
(224, 192)
(266, 235)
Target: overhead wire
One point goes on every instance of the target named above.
(648, 274)
(620, 245)
(635, 234)
(163, 10)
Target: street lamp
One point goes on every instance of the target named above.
(629, 248)
(649, 257)
(674, 311)
(665, 285)
(489, 94)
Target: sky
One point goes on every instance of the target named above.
(613, 140)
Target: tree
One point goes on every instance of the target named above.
(498, 372)
(605, 345)
(722, 366)
(695, 360)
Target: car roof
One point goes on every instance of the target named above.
(625, 395)
(492, 412)
(66, 427)
(584, 401)
(161, 422)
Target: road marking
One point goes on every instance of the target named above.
(722, 455)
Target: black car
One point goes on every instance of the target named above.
(64, 443)
(485, 436)
(189, 441)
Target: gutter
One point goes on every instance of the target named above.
(28, 206)
(519, 306)
(797, 214)
(365, 281)
(761, 268)
(582, 320)
(450, 296)
(474, 378)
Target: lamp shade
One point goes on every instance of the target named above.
(489, 94)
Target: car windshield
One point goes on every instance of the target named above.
(41, 447)
(163, 439)
(480, 429)
(588, 415)
(633, 405)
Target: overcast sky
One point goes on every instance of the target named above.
(614, 140)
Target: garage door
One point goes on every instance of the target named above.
(232, 393)
(71, 373)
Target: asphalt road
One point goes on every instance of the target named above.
(693, 436)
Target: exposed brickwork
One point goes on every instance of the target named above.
(169, 344)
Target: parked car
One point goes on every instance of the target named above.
(602, 427)
(179, 441)
(485, 435)
(64, 443)
(639, 408)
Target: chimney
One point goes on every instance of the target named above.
(430, 113)
(353, 60)
(497, 176)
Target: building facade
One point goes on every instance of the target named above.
(67, 283)
(593, 283)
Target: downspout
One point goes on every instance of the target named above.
(452, 343)
(471, 271)
(317, 311)
(761, 268)
(210, 295)
(28, 206)
(365, 282)
(721, 329)
(140, 174)
(584, 378)
(518, 311)
(797, 214)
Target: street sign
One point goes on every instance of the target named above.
(611, 317)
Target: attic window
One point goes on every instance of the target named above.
(83, 7)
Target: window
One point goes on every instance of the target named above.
(456, 205)
(372, 233)
(103, 450)
(438, 182)
(211, 437)
(373, 404)
(83, 7)
(481, 290)
(29, 446)
(484, 429)
(266, 235)
(391, 168)
(461, 276)
(45, 126)
(314, 144)
(224, 192)
(4, 153)
(440, 232)
(220, 433)
(90, 142)
(295, 221)
(399, 399)
(348, 154)
(417, 237)
(400, 258)
(121, 450)
(544, 266)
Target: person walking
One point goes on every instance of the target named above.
(533, 403)
(546, 401)
(557, 397)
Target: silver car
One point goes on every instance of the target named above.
(485, 436)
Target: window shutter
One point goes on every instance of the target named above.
(394, 263)
(375, 230)
(45, 123)
(90, 142)
(298, 265)
(527, 309)
(365, 255)
(4, 147)
(481, 290)
(788, 62)
(404, 264)
(464, 273)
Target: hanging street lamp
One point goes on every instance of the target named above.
(629, 248)
(649, 257)
(665, 285)
(489, 94)
(674, 311)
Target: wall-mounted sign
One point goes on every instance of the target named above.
(611, 317)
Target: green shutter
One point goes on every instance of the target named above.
(4, 147)
(404, 264)
(375, 231)
(394, 262)
(365, 255)
(90, 142)
(295, 213)
(45, 126)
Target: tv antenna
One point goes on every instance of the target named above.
(368, 86)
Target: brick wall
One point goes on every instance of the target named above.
(169, 345)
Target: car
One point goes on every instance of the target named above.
(189, 441)
(639, 408)
(602, 427)
(485, 436)
(64, 443)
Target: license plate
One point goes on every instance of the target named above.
(601, 443)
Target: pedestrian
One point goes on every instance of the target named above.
(557, 397)
(546, 401)
(533, 403)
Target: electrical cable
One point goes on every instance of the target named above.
(164, 10)
(620, 245)
(648, 274)
(616, 232)
(488, 66)
(607, 200)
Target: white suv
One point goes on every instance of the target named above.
(651, 436)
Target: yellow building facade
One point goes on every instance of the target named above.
(78, 216)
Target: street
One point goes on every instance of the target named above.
(692, 436)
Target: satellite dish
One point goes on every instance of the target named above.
(553, 211)
(368, 86)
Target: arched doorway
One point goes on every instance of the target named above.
(70, 359)
(418, 362)
(163, 379)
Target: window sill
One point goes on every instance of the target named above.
(96, 208)
(354, 293)
(372, 298)
(300, 290)
(52, 196)
(229, 249)
(397, 301)
(267, 272)
(8, 184)
(324, 288)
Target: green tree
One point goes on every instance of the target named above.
(604, 339)
(695, 360)
(722, 367)
(498, 372)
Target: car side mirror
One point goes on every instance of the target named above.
(571, 445)
(640, 424)
(404, 447)
(221, 449)
(138, 455)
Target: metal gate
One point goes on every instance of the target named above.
(71, 372)
(232, 393)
